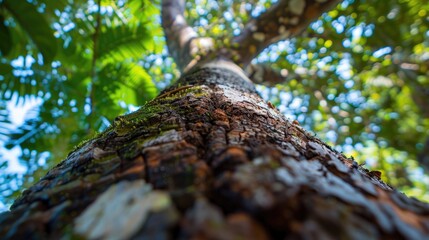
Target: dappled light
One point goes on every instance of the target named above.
(357, 77)
(175, 119)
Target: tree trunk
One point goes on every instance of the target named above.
(209, 159)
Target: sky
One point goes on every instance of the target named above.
(17, 111)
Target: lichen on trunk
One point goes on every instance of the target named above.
(223, 164)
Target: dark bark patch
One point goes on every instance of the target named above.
(206, 221)
(229, 159)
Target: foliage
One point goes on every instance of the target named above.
(358, 77)
(84, 63)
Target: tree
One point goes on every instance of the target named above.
(208, 158)
(351, 77)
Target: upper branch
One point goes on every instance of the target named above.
(285, 19)
(183, 43)
(266, 75)
(177, 32)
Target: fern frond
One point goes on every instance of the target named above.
(124, 41)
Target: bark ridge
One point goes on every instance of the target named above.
(211, 161)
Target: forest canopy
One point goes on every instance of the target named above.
(357, 77)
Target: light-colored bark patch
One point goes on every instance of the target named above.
(297, 6)
(282, 29)
(258, 36)
(120, 211)
(294, 21)
(315, 175)
(168, 136)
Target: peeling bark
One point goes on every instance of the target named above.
(208, 159)
(285, 19)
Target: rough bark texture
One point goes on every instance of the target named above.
(209, 159)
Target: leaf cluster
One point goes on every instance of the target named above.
(82, 62)
(358, 77)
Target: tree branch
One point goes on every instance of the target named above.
(182, 41)
(285, 19)
(266, 75)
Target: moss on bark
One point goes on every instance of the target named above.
(232, 166)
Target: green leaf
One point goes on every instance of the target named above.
(144, 88)
(124, 41)
(133, 84)
(35, 25)
(6, 39)
(5, 68)
(5, 124)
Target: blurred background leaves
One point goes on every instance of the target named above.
(67, 69)
(358, 77)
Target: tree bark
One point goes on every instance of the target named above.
(209, 159)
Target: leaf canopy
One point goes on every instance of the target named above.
(34, 24)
